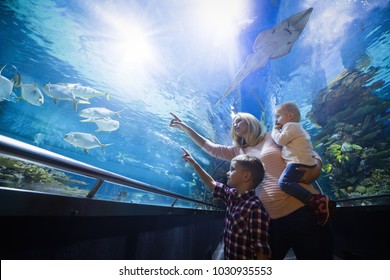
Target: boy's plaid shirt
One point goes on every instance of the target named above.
(246, 224)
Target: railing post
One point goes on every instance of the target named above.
(95, 188)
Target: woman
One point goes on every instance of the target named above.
(292, 224)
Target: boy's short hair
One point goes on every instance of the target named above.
(253, 165)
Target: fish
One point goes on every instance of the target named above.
(97, 113)
(32, 94)
(270, 44)
(126, 158)
(86, 92)
(6, 85)
(39, 139)
(105, 124)
(62, 92)
(84, 141)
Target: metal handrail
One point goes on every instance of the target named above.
(18, 149)
(363, 197)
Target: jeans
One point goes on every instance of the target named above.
(288, 182)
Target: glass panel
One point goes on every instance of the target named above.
(109, 191)
(25, 175)
(198, 206)
(185, 204)
(99, 79)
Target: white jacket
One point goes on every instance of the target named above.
(297, 147)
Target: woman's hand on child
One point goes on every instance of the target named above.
(310, 174)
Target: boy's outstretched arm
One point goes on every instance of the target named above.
(204, 176)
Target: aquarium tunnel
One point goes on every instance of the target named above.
(90, 167)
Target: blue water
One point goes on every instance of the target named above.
(156, 57)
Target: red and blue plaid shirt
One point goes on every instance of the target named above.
(246, 224)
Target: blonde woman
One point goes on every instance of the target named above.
(292, 224)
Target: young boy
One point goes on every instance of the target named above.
(246, 222)
(297, 151)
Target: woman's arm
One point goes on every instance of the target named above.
(196, 137)
(310, 174)
(213, 149)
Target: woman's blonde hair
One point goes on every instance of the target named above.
(256, 131)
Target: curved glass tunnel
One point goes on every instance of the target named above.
(123, 66)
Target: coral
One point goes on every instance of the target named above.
(23, 175)
(361, 189)
(352, 141)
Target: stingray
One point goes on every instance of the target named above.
(271, 44)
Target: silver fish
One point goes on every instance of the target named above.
(32, 94)
(39, 139)
(105, 124)
(62, 92)
(84, 141)
(6, 85)
(86, 93)
(97, 113)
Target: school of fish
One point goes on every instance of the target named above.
(75, 93)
